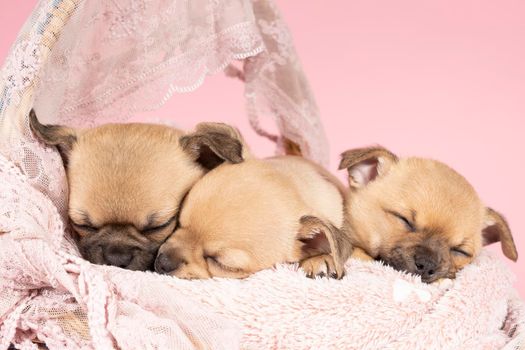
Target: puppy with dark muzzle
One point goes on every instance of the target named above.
(126, 182)
(417, 215)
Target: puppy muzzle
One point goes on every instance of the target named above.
(426, 264)
(419, 260)
(165, 264)
(118, 251)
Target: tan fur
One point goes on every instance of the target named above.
(358, 253)
(443, 207)
(495, 229)
(242, 218)
(320, 265)
(126, 182)
(125, 173)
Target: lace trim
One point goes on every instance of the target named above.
(182, 60)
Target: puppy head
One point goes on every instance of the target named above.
(211, 145)
(126, 182)
(225, 245)
(187, 254)
(228, 226)
(418, 215)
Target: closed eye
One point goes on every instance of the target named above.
(459, 251)
(408, 224)
(84, 227)
(154, 229)
(215, 262)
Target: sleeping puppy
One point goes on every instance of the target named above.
(245, 217)
(126, 182)
(417, 215)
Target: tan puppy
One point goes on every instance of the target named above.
(417, 215)
(245, 217)
(126, 182)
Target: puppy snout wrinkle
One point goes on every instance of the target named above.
(118, 256)
(165, 264)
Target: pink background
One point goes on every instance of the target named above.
(441, 79)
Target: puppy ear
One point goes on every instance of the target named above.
(319, 237)
(60, 136)
(213, 144)
(366, 164)
(497, 230)
(221, 128)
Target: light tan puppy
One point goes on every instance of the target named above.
(126, 183)
(417, 215)
(245, 217)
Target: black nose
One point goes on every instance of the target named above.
(166, 263)
(118, 256)
(426, 263)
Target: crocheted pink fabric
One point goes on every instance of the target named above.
(49, 293)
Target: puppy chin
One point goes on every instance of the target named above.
(131, 257)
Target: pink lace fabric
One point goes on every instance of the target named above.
(86, 62)
(48, 293)
(115, 58)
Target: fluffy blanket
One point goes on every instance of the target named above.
(49, 294)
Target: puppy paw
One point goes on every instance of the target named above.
(360, 254)
(320, 266)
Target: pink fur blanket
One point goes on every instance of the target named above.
(49, 294)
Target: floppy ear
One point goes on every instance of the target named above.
(366, 164)
(497, 230)
(319, 237)
(60, 136)
(221, 128)
(213, 144)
